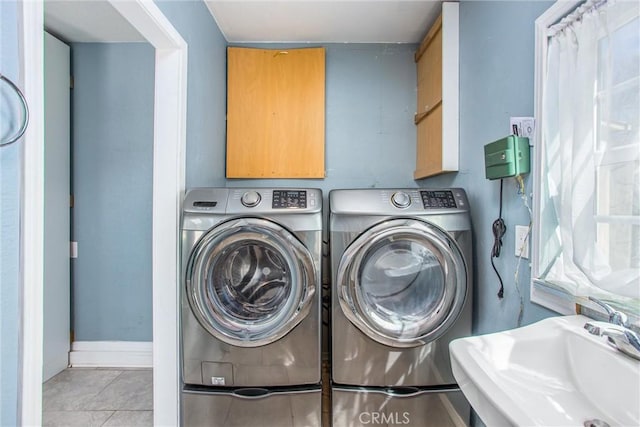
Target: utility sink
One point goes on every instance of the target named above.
(550, 373)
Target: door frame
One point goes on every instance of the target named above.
(170, 101)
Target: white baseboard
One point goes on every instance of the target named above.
(108, 354)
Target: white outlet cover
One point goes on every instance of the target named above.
(522, 241)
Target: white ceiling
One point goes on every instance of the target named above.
(87, 21)
(290, 21)
(337, 21)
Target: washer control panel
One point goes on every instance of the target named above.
(438, 199)
(257, 201)
(289, 199)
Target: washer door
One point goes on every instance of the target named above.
(402, 282)
(250, 281)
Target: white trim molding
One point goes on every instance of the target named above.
(170, 105)
(118, 354)
(32, 216)
(168, 191)
(450, 86)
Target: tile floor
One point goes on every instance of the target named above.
(98, 397)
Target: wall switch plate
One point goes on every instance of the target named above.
(522, 241)
(523, 127)
(73, 249)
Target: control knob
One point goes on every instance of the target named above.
(401, 199)
(250, 199)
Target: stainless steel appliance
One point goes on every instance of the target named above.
(250, 307)
(401, 291)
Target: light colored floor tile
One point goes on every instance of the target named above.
(75, 418)
(131, 390)
(72, 389)
(130, 419)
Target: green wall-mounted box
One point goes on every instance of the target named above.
(506, 157)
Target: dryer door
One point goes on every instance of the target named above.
(249, 281)
(403, 282)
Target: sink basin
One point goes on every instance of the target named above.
(550, 373)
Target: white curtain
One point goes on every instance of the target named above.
(590, 213)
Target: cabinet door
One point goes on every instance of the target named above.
(437, 106)
(275, 113)
(429, 149)
(429, 59)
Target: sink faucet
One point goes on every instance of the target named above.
(620, 335)
(615, 317)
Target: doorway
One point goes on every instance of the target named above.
(168, 187)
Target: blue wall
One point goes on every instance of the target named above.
(206, 91)
(112, 167)
(370, 107)
(496, 82)
(112, 159)
(370, 103)
(10, 166)
(370, 135)
(370, 99)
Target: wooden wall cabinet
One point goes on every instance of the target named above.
(437, 113)
(275, 113)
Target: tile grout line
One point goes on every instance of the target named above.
(110, 416)
(110, 412)
(68, 382)
(103, 389)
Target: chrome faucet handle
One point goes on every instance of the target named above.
(593, 329)
(597, 328)
(625, 341)
(615, 317)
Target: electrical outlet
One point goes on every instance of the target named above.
(522, 126)
(522, 241)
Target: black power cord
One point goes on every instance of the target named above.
(499, 228)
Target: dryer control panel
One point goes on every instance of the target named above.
(286, 201)
(256, 201)
(398, 201)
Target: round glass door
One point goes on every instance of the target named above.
(250, 281)
(402, 282)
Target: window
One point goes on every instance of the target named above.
(587, 172)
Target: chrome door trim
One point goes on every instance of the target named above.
(445, 249)
(235, 331)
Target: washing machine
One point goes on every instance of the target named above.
(401, 291)
(250, 307)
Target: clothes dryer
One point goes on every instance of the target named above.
(401, 291)
(250, 307)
